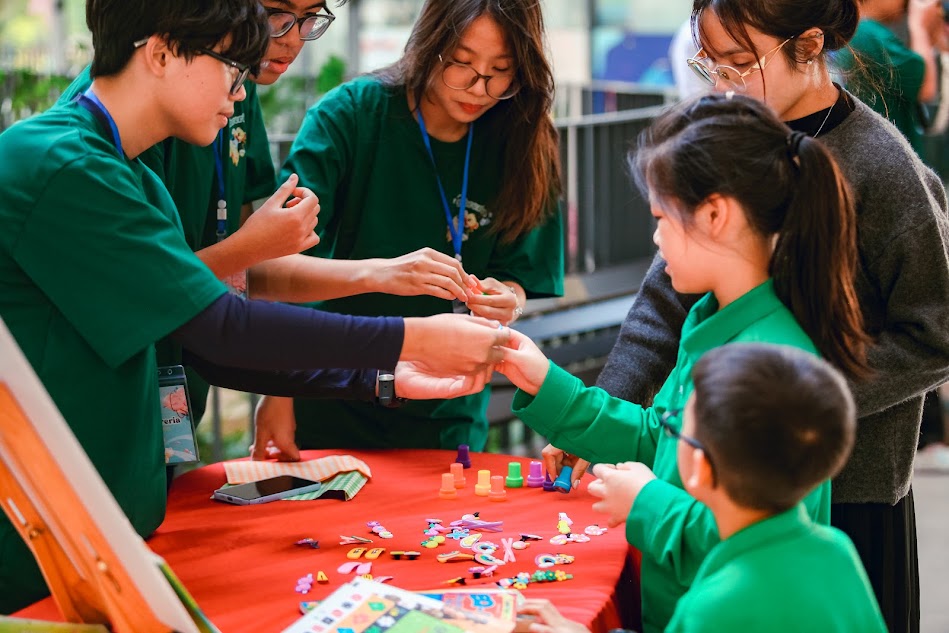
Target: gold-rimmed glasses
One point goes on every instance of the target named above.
(735, 80)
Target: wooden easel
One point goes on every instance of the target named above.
(97, 568)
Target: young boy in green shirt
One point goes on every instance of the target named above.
(764, 426)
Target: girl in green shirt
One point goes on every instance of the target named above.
(760, 220)
(446, 161)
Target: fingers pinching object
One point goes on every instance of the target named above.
(562, 483)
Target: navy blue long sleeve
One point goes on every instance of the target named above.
(344, 384)
(259, 335)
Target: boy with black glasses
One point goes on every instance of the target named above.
(94, 268)
(765, 425)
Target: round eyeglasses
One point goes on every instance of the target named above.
(311, 26)
(734, 80)
(460, 76)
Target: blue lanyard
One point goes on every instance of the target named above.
(91, 102)
(221, 199)
(457, 232)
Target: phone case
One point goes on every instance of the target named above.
(221, 494)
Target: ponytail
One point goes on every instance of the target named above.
(815, 258)
(789, 187)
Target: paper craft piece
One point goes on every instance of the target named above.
(314, 469)
(97, 568)
(361, 606)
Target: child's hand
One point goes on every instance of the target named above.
(523, 363)
(555, 459)
(617, 487)
(547, 619)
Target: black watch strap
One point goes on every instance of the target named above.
(385, 385)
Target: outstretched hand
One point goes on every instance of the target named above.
(422, 272)
(453, 344)
(523, 363)
(416, 381)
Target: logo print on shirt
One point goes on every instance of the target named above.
(476, 216)
(237, 143)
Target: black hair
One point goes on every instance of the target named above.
(791, 190)
(775, 420)
(531, 169)
(187, 25)
(783, 19)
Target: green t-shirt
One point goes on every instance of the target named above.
(361, 151)
(190, 175)
(673, 531)
(887, 78)
(782, 575)
(93, 271)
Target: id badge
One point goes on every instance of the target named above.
(177, 426)
(237, 283)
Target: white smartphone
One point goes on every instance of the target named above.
(265, 490)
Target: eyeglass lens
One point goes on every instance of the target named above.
(462, 76)
(311, 27)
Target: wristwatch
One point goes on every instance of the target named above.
(385, 390)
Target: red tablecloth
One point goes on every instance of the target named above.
(241, 563)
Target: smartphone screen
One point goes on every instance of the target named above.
(266, 490)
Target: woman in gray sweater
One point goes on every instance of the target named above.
(776, 51)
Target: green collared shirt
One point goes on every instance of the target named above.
(674, 531)
(783, 574)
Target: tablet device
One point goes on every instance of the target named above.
(265, 490)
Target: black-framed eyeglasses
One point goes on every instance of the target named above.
(460, 76)
(675, 433)
(238, 70)
(311, 26)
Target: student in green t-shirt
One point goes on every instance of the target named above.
(238, 169)
(764, 426)
(892, 77)
(94, 268)
(757, 220)
(444, 162)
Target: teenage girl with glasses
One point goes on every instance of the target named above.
(902, 281)
(758, 220)
(440, 166)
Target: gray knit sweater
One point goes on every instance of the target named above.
(903, 285)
